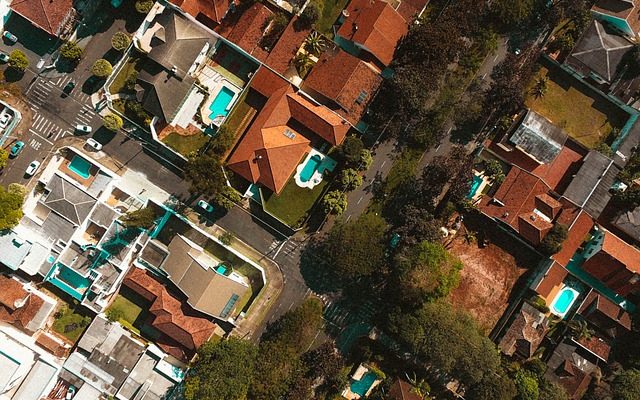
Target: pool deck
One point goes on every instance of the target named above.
(215, 81)
(86, 182)
(326, 164)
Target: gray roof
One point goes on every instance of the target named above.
(163, 93)
(53, 228)
(100, 182)
(36, 382)
(103, 215)
(629, 223)
(87, 392)
(38, 321)
(208, 291)
(590, 187)
(599, 50)
(624, 150)
(13, 249)
(9, 367)
(144, 382)
(538, 137)
(68, 200)
(154, 253)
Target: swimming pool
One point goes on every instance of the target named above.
(80, 166)
(362, 386)
(310, 168)
(563, 301)
(219, 106)
(474, 186)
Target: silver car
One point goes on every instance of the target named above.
(94, 144)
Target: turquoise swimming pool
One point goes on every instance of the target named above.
(69, 280)
(474, 186)
(219, 105)
(80, 166)
(310, 168)
(564, 300)
(362, 386)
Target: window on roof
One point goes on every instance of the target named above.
(362, 97)
(288, 133)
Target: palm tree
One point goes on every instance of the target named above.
(314, 43)
(580, 329)
(420, 387)
(303, 62)
(540, 88)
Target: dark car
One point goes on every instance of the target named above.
(68, 88)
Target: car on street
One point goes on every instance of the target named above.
(9, 36)
(5, 118)
(83, 128)
(68, 88)
(4, 57)
(32, 168)
(16, 148)
(205, 206)
(94, 144)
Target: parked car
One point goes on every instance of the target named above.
(83, 128)
(32, 168)
(205, 206)
(16, 149)
(94, 144)
(4, 57)
(68, 88)
(10, 36)
(5, 118)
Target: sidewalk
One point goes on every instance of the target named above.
(274, 282)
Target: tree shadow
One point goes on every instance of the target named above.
(103, 135)
(13, 75)
(92, 85)
(317, 275)
(64, 65)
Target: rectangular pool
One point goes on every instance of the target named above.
(474, 186)
(80, 167)
(362, 386)
(220, 104)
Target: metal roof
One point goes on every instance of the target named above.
(538, 137)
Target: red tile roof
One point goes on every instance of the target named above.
(12, 291)
(183, 329)
(622, 251)
(346, 81)
(410, 9)
(556, 174)
(276, 141)
(213, 10)
(48, 15)
(287, 46)
(402, 390)
(578, 232)
(52, 344)
(248, 30)
(554, 277)
(605, 314)
(596, 345)
(374, 25)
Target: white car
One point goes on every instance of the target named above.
(94, 144)
(5, 119)
(83, 128)
(205, 206)
(32, 168)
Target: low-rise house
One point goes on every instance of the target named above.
(611, 320)
(54, 17)
(403, 390)
(343, 83)
(371, 30)
(571, 367)
(623, 15)
(24, 306)
(599, 54)
(182, 329)
(288, 127)
(208, 12)
(524, 335)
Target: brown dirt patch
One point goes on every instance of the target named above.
(10, 94)
(490, 274)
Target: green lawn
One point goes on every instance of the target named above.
(583, 114)
(128, 69)
(185, 144)
(70, 323)
(130, 311)
(330, 11)
(294, 202)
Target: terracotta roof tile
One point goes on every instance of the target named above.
(622, 251)
(48, 15)
(213, 10)
(274, 144)
(402, 390)
(346, 81)
(605, 314)
(11, 291)
(410, 9)
(597, 346)
(173, 318)
(285, 49)
(553, 278)
(533, 227)
(576, 236)
(247, 31)
(376, 26)
(51, 344)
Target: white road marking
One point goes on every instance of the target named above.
(40, 136)
(280, 248)
(348, 218)
(360, 199)
(383, 163)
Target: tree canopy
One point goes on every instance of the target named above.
(10, 208)
(552, 242)
(224, 371)
(120, 41)
(18, 60)
(101, 68)
(142, 218)
(71, 51)
(112, 122)
(626, 385)
(356, 248)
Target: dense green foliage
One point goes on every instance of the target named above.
(71, 51)
(350, 179)
(4, 157)
(224, 371)
(101, 68)
(11, 201)
(112, 122)
(18, 60)
(144, 6)
(626, 386)
(120, 41)
(142, 218)
(335, 202)
(552, 242)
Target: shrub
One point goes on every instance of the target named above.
(144, 6)
(350, 179)
(226, 238)
(310, 15)
(114, 314)
(552, 243)
(18, 60)
(540, 304)
(142, 218)
(4, 157)
(112, 122)
(101, 68)
(120, 41)
(71, 51)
